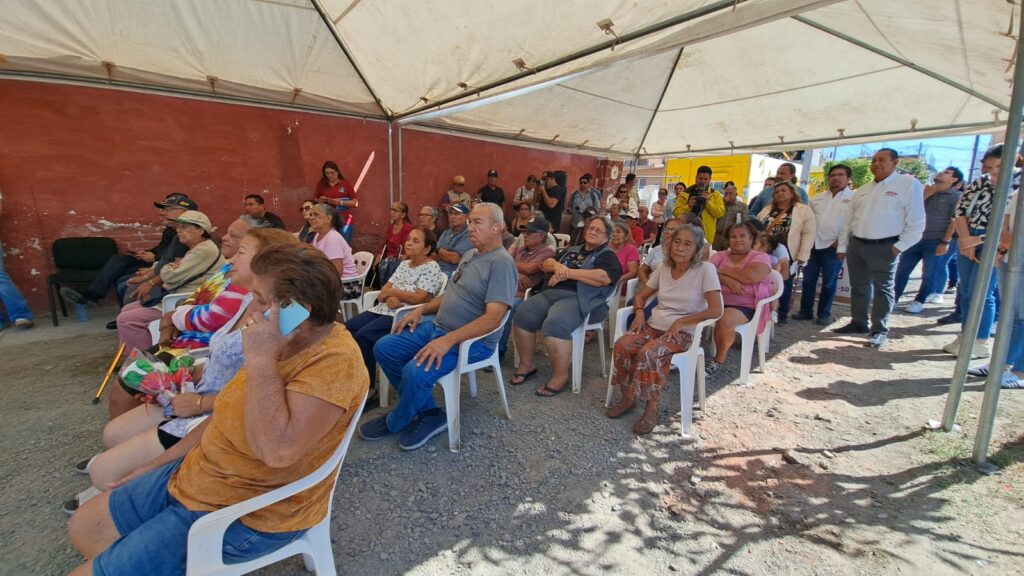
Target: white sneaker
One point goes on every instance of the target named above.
(935, 299)
(981, 350)
(1010, 381)
(915, 307)
(775, 317)
(953, 347)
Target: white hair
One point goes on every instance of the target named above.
(496, 213)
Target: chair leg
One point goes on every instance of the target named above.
(321, 560)
(611, 388)
(701, 380)
(383, 387)
(450, 385)
(472, 383)
(762, 348)
(687, 374)
(746, 351)
(501, 384)
(600, 341)
(51, 288)
(577, 360)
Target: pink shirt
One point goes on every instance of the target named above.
(628, 253)
(333, 246)
(749, 298)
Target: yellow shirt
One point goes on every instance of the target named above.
(222, 469)
(713, 210)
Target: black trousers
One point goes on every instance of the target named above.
(118, 266)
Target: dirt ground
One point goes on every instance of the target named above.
(561, 489)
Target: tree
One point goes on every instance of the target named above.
(861, 168)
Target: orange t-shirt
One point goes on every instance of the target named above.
(222, 469)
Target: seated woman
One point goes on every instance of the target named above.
(275, 422)
(627, 253)
(395, 236)
(202, 259)
(141, 434)
(780, 260)
(745, 275)
(574, 286)
(416, 281)
(333, 245)
(688, 292)
(305, 234)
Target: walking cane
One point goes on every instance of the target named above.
(99, 393)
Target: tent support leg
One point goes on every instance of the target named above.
(401, 187)
(391, 167)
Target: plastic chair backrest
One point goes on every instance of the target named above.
(763, 305)
(363, 260)
(562, 240)
(465, 344)
(83, 252)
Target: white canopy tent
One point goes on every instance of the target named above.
(616, 77)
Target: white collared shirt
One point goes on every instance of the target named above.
(892, 207)
(830, 214)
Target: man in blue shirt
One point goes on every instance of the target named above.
(454, 242)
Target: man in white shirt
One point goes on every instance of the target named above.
(886, 217)
(830, 212)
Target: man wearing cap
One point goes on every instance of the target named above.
(636, 232)
(455, 195)
(118, 270)
(552, 200)
(584, 203)
(491, 192)
(454, 242)
(529, 258)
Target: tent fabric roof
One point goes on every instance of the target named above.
(667, 77)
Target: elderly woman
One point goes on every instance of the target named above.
(334, 246)
(574, 286)
(141, 434)
(688, 292)
(428, 217)
(275, 422)
(625, 250)
(745, 275)
(416, 281)
(185, 275)
(792, 223)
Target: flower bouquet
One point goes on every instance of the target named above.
(155, 381)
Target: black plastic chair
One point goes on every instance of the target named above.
(78, 261)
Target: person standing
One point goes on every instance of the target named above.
(940, 200)
(527, 192)
(491, 192)
(455, 195)
(786, 172)
(704, 201)
(792, 223)
(552, 200)
(585, 202)
(334, 190)
(735, 212)
(15, 308)
(830, 212)
(886, 217)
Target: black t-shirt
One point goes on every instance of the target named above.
(274, 219)
(554, 215)
(494, 195)
(606, 261)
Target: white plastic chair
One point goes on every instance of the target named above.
(689, 364)
(168, 304)
(451, 383)
(364, 263)
(748, 332)
(579, 339)
(368, 299)
(206, 537)
(562, 240)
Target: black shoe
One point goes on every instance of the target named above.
(852, 328)
(803, 316)
(85, 297)
(782, 322)
(112, 325)
(70, 506)
(952, 318)
(823, 320)
(877, 340)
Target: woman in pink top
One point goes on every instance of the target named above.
(745, 275)
(334, 246)
(688, 292)
(629, 257)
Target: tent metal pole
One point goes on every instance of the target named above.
(348, 55)
(391, 168)
(654, 113)
(902, 61)
(1011, 291)
(401, 187)
(988, 258)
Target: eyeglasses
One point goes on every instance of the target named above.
(305, 209)
(394, 209)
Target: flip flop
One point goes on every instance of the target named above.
(545, 392)
(522, 377)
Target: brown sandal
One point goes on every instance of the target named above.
(644, 426)
(618, 410)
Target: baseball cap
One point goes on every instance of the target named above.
(536, 224)
(195, 218)
(492, 172)
(177, 201)
(460, 208)
(547, 174)
(635, 215)
(459, 180)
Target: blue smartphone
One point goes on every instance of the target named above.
(292, 314)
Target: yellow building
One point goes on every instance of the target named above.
(747, 171)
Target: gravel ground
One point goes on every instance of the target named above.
(819, 466)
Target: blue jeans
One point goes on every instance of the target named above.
(415, 384)
(1015, 354)
(826, 264)
(153, 529)
(969, 273)
(367, 328)
(507, 330)
(923, 250)
(12, 300)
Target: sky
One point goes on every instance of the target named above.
(940, 152)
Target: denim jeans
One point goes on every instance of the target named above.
(13, 302)
(367, 328)
(969, 273)
(922, 251)
(826, 264)
(415, 384)
(1015, 354)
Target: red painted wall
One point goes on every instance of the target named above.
(80, 161)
